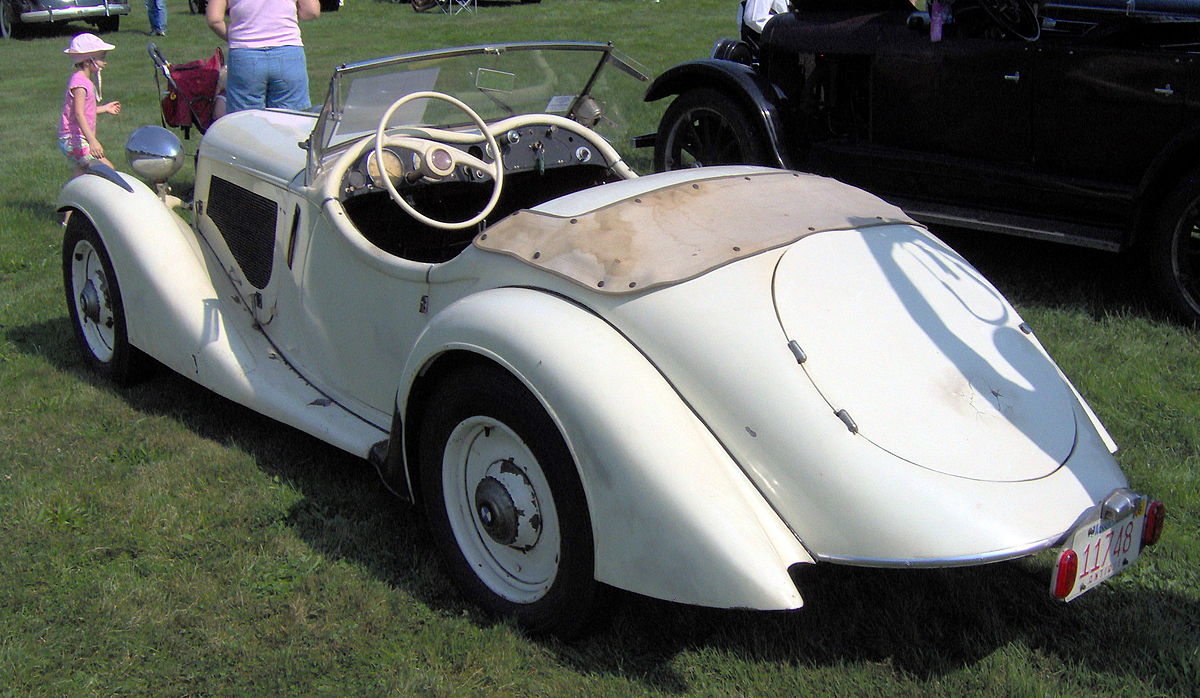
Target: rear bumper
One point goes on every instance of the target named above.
(69, 13)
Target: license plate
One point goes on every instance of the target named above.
(1103, 549)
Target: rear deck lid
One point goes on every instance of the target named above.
(925, 357)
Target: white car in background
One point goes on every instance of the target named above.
(689, 385)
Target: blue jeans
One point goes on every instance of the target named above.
(275, 78)
(156, 10)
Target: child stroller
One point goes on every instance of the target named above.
(191, 91)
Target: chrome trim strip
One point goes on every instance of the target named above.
(963, 561)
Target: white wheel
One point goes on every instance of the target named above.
(501, 509)
(90, 291)
(505, 504)
(95, 305)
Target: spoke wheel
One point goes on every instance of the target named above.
(505, 504)
(703, 128)
(1174, 250)
(95, 305)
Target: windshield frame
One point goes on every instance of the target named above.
(321, 141)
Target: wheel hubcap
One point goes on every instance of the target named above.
(507, 506)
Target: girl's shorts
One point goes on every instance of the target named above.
(76, 149)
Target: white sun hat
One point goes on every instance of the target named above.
(85, 46)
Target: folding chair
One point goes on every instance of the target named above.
(453, 7)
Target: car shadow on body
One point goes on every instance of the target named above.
(920, 623)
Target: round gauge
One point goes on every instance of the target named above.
(391, 165)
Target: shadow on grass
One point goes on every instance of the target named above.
(1036, 272)
(922, 624)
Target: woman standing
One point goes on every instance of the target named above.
(267, 67)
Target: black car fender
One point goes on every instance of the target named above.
(1164, 174)
(741, 83)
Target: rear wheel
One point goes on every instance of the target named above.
(505, 504)
(197, 7)
(1174, 249)
(705, 127)
(8, 19)
(95, 305)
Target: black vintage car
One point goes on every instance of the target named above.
(1058, 121)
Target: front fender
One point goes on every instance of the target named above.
(673, 516)
(181, 308)
(154, 253)
(741, 83)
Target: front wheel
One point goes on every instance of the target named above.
(505, 504)
(705, 127)
(95, 305)
(1174, 250)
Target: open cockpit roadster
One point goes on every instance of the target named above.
(687, 385)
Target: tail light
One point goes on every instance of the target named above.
(1156, 515)
(1064, 573)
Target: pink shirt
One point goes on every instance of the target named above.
(263, 24)
(68, 126)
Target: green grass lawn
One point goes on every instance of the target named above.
(160, 540)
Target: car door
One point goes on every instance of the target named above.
(1105, 112)
(952, 114)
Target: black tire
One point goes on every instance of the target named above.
(107, 25)
(1173, 250)
(197, 7)
(705, 127)
(486, 438)
(9, 25)
(95, 305)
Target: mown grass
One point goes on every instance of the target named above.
(162, 541)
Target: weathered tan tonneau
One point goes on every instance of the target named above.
(682, 231)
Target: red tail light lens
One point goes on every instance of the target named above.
(1064, 575)
(1156, 516)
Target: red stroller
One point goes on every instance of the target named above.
(191, 91)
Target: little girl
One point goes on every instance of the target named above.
(77, 130)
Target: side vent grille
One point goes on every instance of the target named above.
(247, 222)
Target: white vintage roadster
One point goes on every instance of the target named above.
(688, 385)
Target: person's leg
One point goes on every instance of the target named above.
(287, 87)
(156, 11)
(246, 82)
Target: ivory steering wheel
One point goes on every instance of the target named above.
(437, 161)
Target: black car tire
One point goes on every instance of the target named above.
(197, 7)
(95, 305)
(1173, 249)
(9, 25)
(556, 591)
(107, 25)
(705, 127)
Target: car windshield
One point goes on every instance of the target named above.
(496, 81)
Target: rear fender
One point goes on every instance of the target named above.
(673, 516)
(741, 84)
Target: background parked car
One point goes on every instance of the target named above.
(1078, 124)
(16, 14)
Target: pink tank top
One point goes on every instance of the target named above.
(263, 24)
(68, 126)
